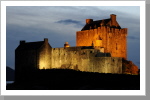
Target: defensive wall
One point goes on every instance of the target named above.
(85, 59)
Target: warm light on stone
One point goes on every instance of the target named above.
(105, 33)
(100, 47)
(42, 64)
(66, 44)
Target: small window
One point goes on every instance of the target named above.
(83, 52)
(113, 60)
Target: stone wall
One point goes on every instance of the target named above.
(44, 56)
(30, 59)
(85, 60)
(24, 61)
(113, 40)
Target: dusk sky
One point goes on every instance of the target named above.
(60, 23)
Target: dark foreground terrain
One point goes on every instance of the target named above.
(65, 79)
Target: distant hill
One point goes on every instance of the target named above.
(10, 74)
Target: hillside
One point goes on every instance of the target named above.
(10, 74)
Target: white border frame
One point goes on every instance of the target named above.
(73, 92)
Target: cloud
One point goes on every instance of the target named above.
(30, 34)
(70, 21)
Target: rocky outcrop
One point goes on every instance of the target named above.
(128, 67)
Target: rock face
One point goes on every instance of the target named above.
(128, 67)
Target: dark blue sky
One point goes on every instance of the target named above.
(59, 24)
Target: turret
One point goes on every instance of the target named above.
(66, 45)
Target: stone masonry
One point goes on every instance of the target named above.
(105, 33)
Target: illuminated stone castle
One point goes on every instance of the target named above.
(105, 33)
(100, 47)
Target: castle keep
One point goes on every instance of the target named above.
(106, 34)
(100, 47)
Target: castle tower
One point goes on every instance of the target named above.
(66, 45)
(31, 56)
(105, 33)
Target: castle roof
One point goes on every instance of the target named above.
(31, 45)
(90, 24)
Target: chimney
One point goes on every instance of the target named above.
(22, 42)
(46, 40)
(89, 21)
(113, 19)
